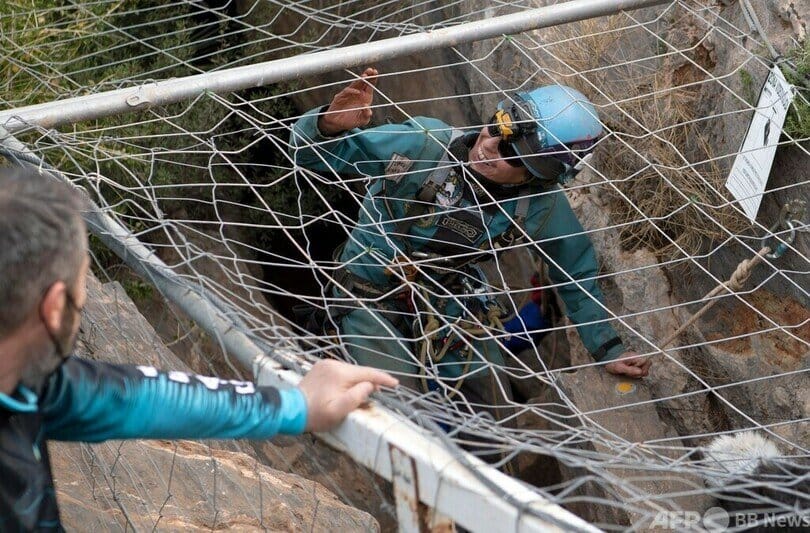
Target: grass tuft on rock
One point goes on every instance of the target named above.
(797, 123)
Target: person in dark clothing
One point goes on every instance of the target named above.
(48, 394)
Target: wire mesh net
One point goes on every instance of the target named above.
(310, 239)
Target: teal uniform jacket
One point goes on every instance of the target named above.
(91, 401)
(398, 159)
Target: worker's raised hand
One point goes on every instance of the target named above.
(351, 107)
(630, 364)
(334, 389)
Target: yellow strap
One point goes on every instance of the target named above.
(431, 328)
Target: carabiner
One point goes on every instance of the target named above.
(782, 247)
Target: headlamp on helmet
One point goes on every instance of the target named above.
(509, 126)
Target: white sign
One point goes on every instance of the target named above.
(751, 168)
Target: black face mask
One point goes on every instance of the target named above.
(63, 342)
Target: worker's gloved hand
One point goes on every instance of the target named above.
(630, 364)
(351, 107)
(334, 389)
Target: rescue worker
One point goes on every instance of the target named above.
(47, 394)
(441, 201)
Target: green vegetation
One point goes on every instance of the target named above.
(797, 123)
(60, 49)
(748, 91)
(216, 159)
(138, 290)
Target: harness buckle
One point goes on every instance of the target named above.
(403, 266)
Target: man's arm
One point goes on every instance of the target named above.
(574, 252)
(319, 139)
(362, 152)
(576, 257)
(330, 139)
(93, 401)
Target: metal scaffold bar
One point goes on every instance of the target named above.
(443, 482)
(167, 92)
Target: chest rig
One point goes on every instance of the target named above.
(444, 185)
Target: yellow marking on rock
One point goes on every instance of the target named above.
(625, 387)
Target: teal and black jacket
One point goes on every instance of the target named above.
(398, 160)
(91, 401)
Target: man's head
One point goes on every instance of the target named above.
(44, 262)
(541, 134)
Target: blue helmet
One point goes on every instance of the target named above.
(548, 130)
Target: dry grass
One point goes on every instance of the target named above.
(665, 184)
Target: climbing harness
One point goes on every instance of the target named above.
(430, 355)
(478, 301)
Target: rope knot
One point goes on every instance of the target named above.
(740, 275)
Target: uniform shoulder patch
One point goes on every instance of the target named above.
(450, 191)
(397, 167)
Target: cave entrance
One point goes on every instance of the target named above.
(293, 282)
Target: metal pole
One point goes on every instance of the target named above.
(162, 93)
(443, 480)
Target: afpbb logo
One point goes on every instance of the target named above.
(715, 520)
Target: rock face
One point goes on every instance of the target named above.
(188, 486)
(639, 289)
(762, 378)
(736, 372)
(624, 430)
(182, 485)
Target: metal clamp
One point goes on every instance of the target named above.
(138, 99)
(476, 293)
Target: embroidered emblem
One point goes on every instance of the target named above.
(451, 190)
(397, 167)
(465, 229)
